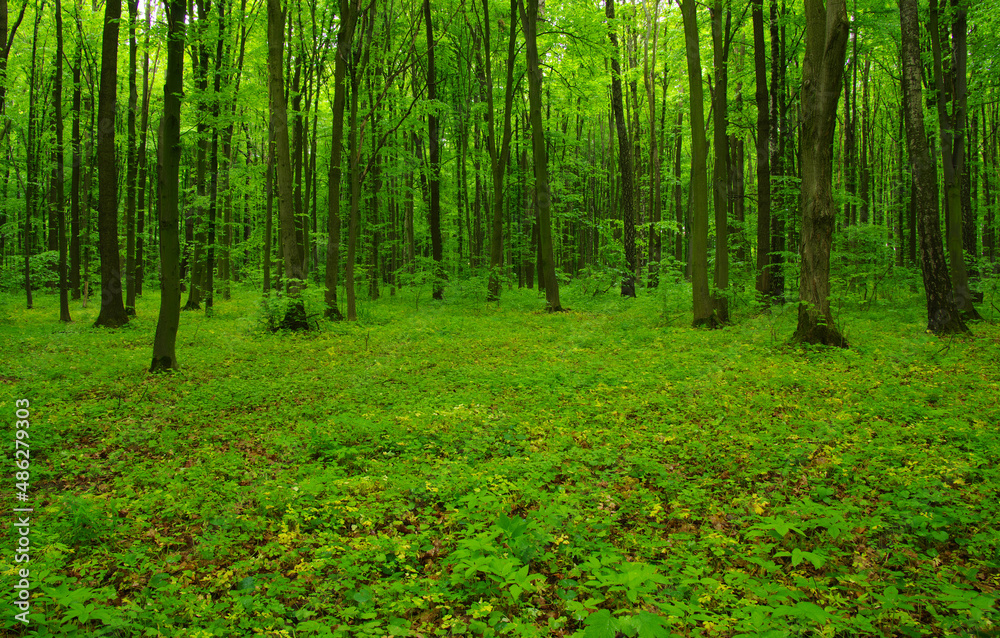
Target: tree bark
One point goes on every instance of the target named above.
(164, 345)
(822, 80)
(625, 159)
(112, 312)
(131, 170)
(434, 180)
(58, 198)
(345, 37)
(942, 314)
(720, 124)
(295, 318)
(763, 163)
(529, 22)
(704, 312)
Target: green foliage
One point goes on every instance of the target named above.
(483, 469)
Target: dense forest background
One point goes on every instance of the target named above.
(367, 146)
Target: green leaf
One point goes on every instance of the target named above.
(601, 624)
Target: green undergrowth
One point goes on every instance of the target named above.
(463, 468)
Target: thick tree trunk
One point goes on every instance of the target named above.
(112, 312)
(822, 79)
(164, 352)
(942, 314)
(704, 312)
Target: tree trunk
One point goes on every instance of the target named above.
(704, 313)
(822, 79)
(942, 314)
(214, 163)
(625, 160)
(952, 136)
(434, 215)
(720, 124)
(345, 38)
(763, 163)
(131, 171)
(74, 189)
(295, 318)
(499, 158)
(529, 21)
(112, 312)
(164, 352)
(57, 169)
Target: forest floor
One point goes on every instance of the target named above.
(463, 468)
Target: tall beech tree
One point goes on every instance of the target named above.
(822, 79)
(112, 312)
(499, 157)
(543, 196)
(952, 88)
(704, 312)
(349, 10)
(434, 161)
(292, 256)
(58, 194)
(625, 159)
(720, 143)
(942, 313)
(763, 159)
(132, 169)
(164, 344)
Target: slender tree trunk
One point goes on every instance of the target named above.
(58, 198)
(942, 314)
(763, 163)
(74, 189)
(625, 159)
(704, 313)
(776, 145)
(295, 318)
(434, 180)
(720, 124)
(822, 79)
(269, 215)
(952, 136)
(529, 21)
(499, 158)
(214, 162)
(112, 312)
(164, 351)
(131, 171)
(345, 38)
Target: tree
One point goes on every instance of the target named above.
(132, 170)
(625, 176)
(499, 158)
(112, 312)
(434, 179)
(164, 352)
(349, 10)
(763, 163)
(951, 133)
(942, 314)
(58, 199)
(704, 313)
(529, 24)
(295, 318)
(720, 139)
(822, 79)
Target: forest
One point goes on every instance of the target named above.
(449, 317)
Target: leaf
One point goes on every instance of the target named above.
(363, 595)
(649, 625)
(601, 624)
(247, 584)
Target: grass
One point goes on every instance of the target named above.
(462, 468)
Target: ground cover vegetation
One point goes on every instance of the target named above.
(426, 276)
(469, 468)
